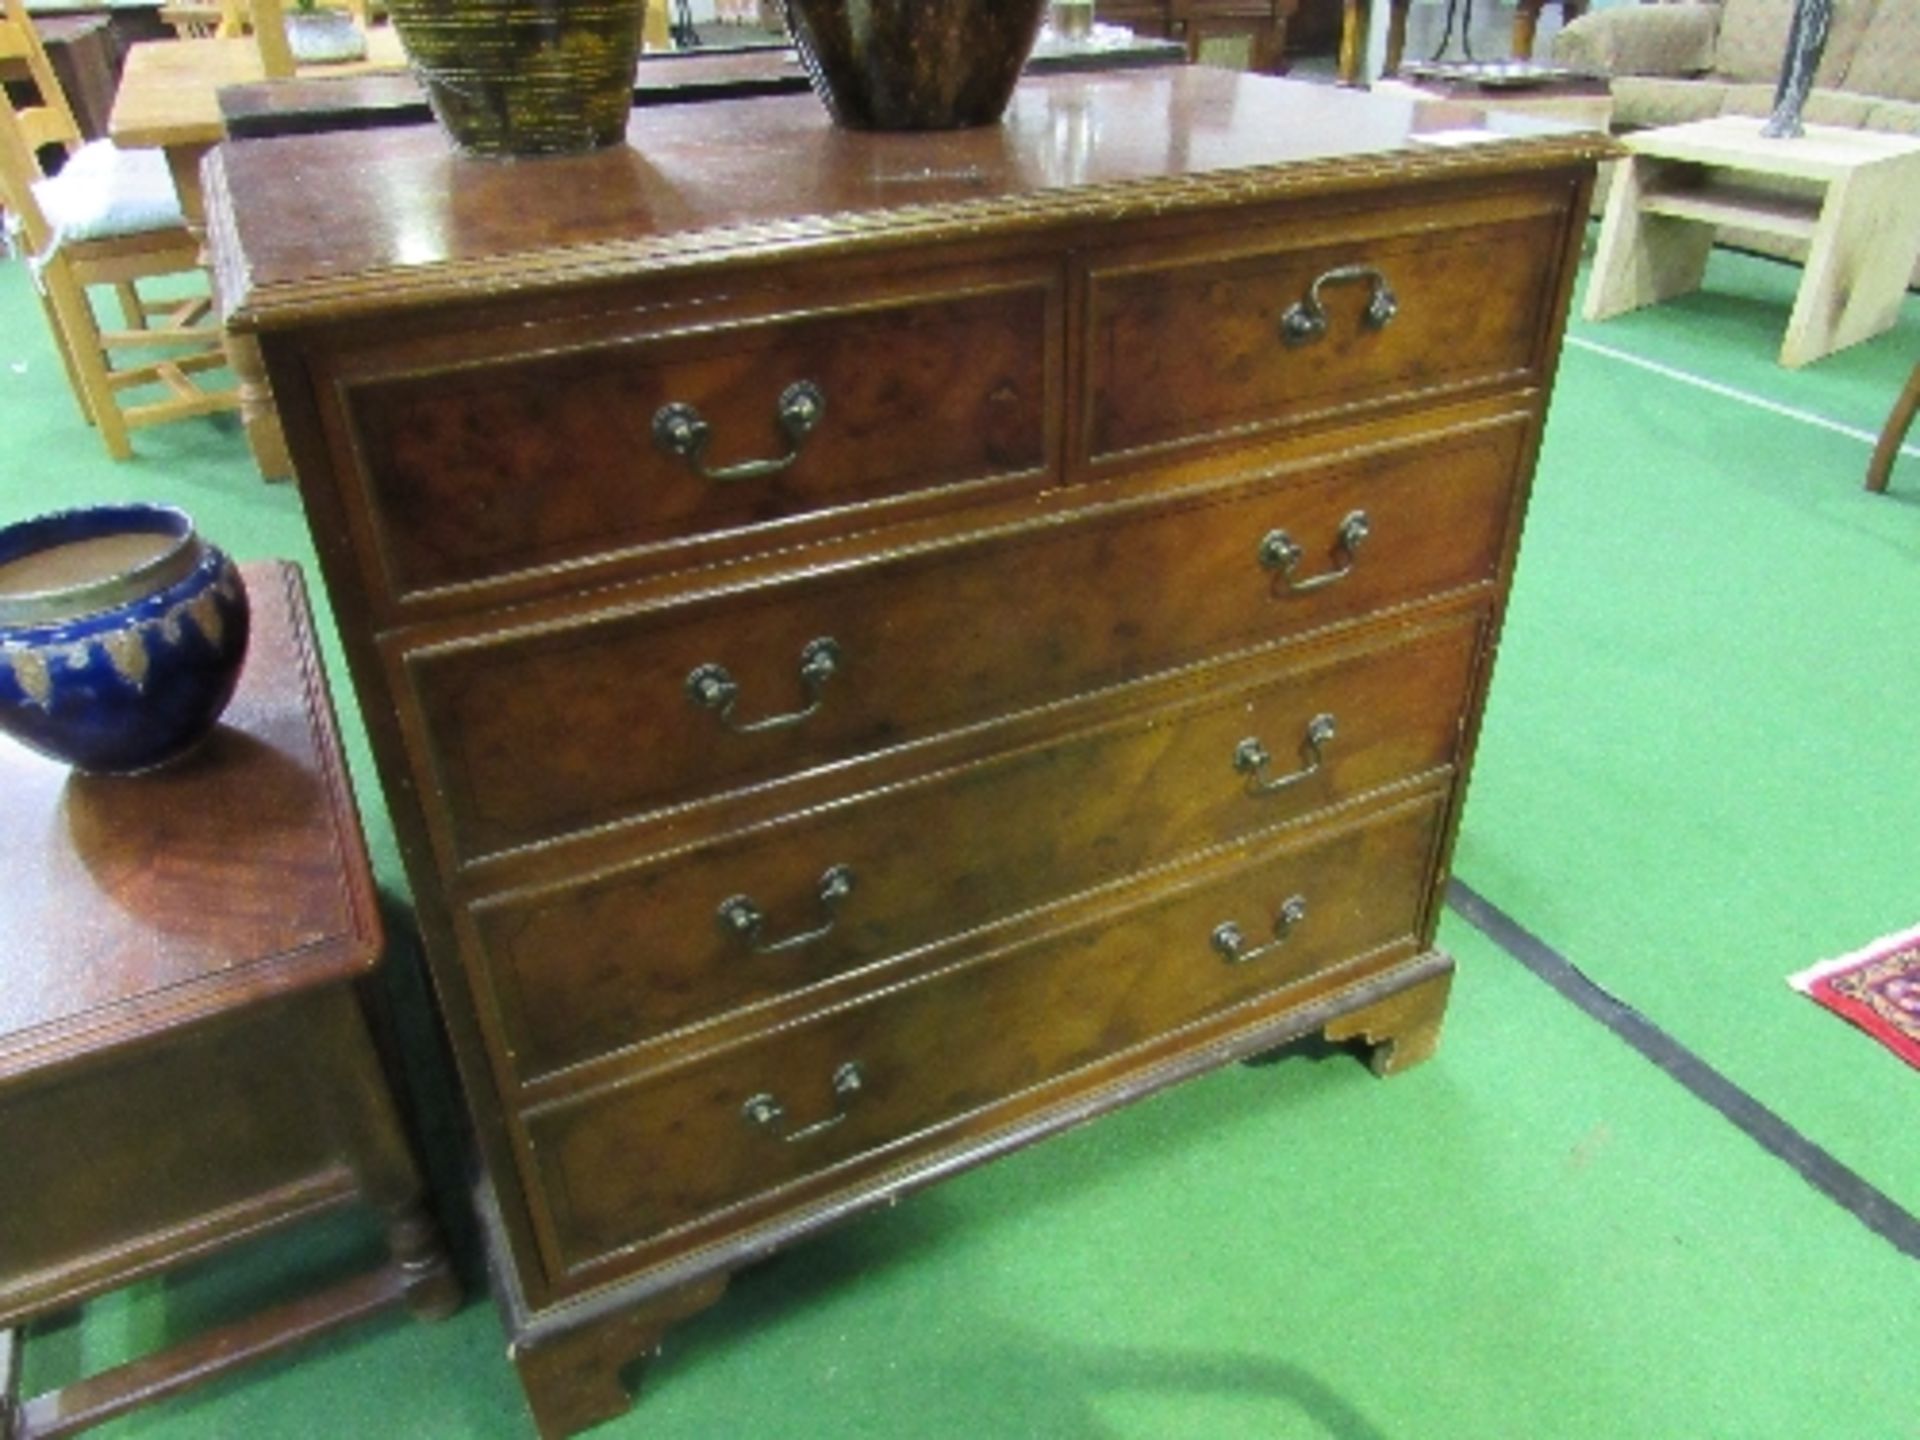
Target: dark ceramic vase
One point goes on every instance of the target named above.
(914, 64)
(525, 77)
(122, 634)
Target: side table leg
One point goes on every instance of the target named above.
(257, 412)
(354, 1098)
(573, 1379)
(1859, 260)
(1642, 259)
(1397, 12)
(257, 415)
(1526, 22)
(1353, 40)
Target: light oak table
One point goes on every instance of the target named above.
(185, 1060)
(169, 100)
(1857, 204)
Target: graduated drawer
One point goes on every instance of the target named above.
(609, 714)
(1250, 332)
(560, 451)
(648, 1167)
(590, 968)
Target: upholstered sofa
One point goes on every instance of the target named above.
(1670, 63)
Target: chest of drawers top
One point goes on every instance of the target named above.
(367, 223)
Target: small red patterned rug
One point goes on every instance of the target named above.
(1877, 988)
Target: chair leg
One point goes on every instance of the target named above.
(1899, 420)
(74, 312)
(131, 307)
(66, 359)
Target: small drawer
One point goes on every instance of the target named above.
(613, 714)
(643, 1169)
(590, 968)
(573, 449)
(1253, 333)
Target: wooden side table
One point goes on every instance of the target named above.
(1860, 218)
(184, 1058)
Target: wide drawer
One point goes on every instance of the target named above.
(1254, 333)
(589, 968)
(611, 714)
(563, 450)
(648, 1167)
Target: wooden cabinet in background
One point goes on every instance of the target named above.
(1233, 34)
(890, 647)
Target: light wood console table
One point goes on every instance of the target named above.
(1859, 212)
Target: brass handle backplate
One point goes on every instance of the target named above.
(769, 1114)
(743, 920)
(1231, 942)
(1279, 551)
(680, 430)
(1251, 758)
(1306, 320)
(712, 687)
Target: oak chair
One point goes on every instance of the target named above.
(110, 219)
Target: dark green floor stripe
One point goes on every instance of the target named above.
(1872, 1207)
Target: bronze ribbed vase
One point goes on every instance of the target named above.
(914, 64)
(525, 77)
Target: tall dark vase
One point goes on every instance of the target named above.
(525, 77)
(914, 64)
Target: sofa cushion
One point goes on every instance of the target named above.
(1752, 43)
(1823, 107)
(1640, 40)
(1887, 59)
(1643, 100)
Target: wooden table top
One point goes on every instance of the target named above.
(136, 904)
(397, 218)
(170, 89)
(1825, 153)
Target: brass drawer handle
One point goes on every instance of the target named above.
(712, 687)
(765, 1111)
(1306, 320)
(1231, 941)
(741, 918)
(1251, 759)
(679, 430)
(1280, 551)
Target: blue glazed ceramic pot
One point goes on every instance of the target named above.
(122, 632)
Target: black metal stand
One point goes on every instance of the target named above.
(1806, 41)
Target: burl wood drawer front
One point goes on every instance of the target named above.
(590, 968)
(641, 1165)
(490, 469)
(1241, 340)
(612, 714)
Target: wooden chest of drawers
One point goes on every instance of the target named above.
(882, 647)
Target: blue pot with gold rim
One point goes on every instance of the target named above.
(122, 633)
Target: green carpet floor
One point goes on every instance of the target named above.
(1698, 773)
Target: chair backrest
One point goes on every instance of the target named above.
(50, 122)
(26, 129)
